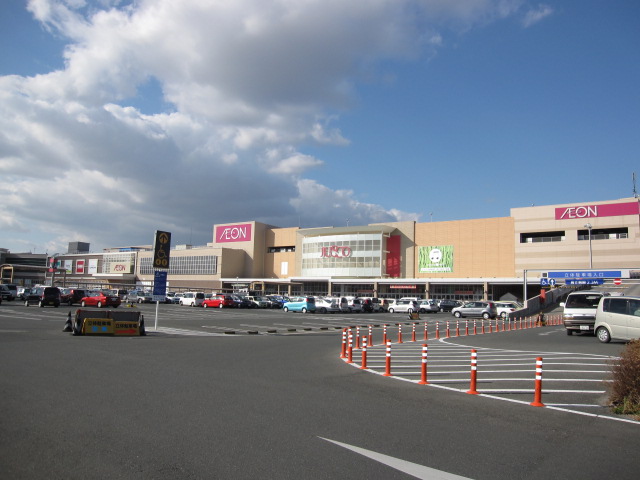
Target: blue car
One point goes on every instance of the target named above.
(300, 304)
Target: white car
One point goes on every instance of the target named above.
(354, 304)
(505, 308)
(327, 305)
(428, 306)
(192, 299)
(404, 306)
(260, 302)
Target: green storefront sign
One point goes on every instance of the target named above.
(435, 259)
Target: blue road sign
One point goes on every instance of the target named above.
(547, 282)
(592, 281)
(585, 274)
(159, 285)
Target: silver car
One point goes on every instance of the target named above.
(428, 306)
(406, 306)
(476, 309)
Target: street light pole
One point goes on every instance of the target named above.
(588, 226)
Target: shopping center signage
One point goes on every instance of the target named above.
(335, 251)
(233, 233)
(120, 267)
(435, 259)
(593, 211)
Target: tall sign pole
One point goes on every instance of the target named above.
(161, 250)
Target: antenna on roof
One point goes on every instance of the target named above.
(635, 192)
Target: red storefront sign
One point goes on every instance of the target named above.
(594, 211)
(233, 233)
(335, 251)
(80, 266)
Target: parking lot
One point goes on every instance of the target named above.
(576, 368)
(267, 394)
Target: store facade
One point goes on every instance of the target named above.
(461, 259)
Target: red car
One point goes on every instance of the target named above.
(100, 299)
(219, 301)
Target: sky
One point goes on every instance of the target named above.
(119, 118)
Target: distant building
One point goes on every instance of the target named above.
(78, 247)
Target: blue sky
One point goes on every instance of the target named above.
(120, 118)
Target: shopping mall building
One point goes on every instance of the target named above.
(489, 258)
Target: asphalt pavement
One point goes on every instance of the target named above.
(191, 401)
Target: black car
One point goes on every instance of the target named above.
(73, 295)
(43, 296)
(5, 293)
(447, 305)
(242, 302)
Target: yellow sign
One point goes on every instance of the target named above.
(127, 328)
(97, 326)
(161, 248)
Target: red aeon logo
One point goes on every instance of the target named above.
(335, 251)
(119, 268)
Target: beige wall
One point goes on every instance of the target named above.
(280, 237)
(255, 249)
(572, 253)
(481, 248)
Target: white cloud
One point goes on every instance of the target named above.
(250, 84)
(535, 15)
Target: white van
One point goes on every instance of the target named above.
(619, 318)
(192, 299)
(579, 313)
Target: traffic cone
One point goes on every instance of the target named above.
(67, 326)
(143, 331)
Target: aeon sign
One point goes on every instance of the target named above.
(335, 251)
(592, 211)
(233, 233)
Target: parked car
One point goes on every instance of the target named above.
(192, 299)
(219, 301)
(177, 298)
(505, 308)
(482, 309)
(100, 299)
(579, 314)
(73, 295)
(354, 304)
(277, 301)
(447, 305)
(139, 296)
(327, 305)
(618, 318)
(43, 296)
(404, 306)
(260, 302)
(172, 298)
(22, 291)
(5, 293)
(385, 303)
(13, 288)
(428, 306)
(243, 302)
(300, 304)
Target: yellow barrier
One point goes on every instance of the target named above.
(97, 326)
(109, 322)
